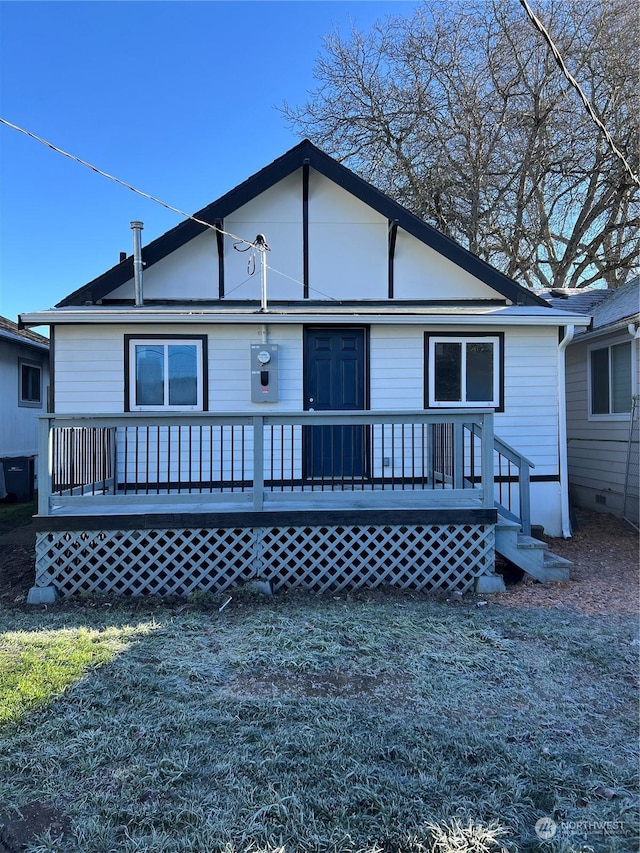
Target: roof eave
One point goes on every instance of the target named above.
(610, 329)
(143, 314)
(20, 339)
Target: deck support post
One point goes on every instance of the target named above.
(487, 461)
(524, 486)
(458, 452)
(489, 584)
(44, 465)
(42, 595)
(258, 463)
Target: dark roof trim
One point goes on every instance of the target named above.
(268, 177)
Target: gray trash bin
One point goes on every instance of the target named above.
(19, 477)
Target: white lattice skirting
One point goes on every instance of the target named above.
(317, 558)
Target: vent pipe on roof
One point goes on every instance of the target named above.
(137, 227)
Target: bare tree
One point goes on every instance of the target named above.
(461, 113)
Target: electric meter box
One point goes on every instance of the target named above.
(264, 373)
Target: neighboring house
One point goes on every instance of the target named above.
(318, 413)
(603, 378)
(24, 379)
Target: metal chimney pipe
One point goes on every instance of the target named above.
(137, 227)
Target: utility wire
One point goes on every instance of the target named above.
(557, 56)
(123, 183)
(249, 244)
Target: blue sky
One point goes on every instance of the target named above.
(178, 99)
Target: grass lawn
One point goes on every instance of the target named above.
(360, 723)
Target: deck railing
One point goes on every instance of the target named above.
(331, 459)
(512, 481)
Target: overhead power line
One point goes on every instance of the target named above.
(557, 56)
(122, 183)
(249, 243)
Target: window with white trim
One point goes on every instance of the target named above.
(166, 373)
(610, 380)
(464, 371)
(30, 384)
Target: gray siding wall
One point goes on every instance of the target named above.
(597, 447)
(19, 424)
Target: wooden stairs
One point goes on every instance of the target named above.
(530, 554)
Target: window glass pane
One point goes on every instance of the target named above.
(448, 372)
(480, 372)
(30, 384)
(621, 377)
(600, 382)
(24, 391)
(149, 375)
(183, 375)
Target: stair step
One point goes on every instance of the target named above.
(507, 524)
(530, 554)
(552, 561)
(530, 542)
(553, 571)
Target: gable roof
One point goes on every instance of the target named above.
(304, 152)
(12, 332)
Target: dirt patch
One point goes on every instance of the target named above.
(18, 831)
(605, 576)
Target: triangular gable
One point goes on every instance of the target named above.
(297, 157)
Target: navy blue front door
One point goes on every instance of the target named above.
(335, 380)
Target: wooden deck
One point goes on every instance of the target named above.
(169, 505)
(129, 463)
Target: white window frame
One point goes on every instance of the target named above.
(495, 402)
(166, 342)
(22, 402)
(609, 416)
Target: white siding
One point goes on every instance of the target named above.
(422, 273)
(347, 244)
(277, 214)
(397, 367)
(90, 366)
(230, 368)
(90, 378)
(90, 375)
(89, 369)
(530, 419)
(190, 272)
(348, 254)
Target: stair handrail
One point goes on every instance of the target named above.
(523, 464)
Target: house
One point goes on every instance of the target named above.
(24, 379)
(603, 390)
(303, 383)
